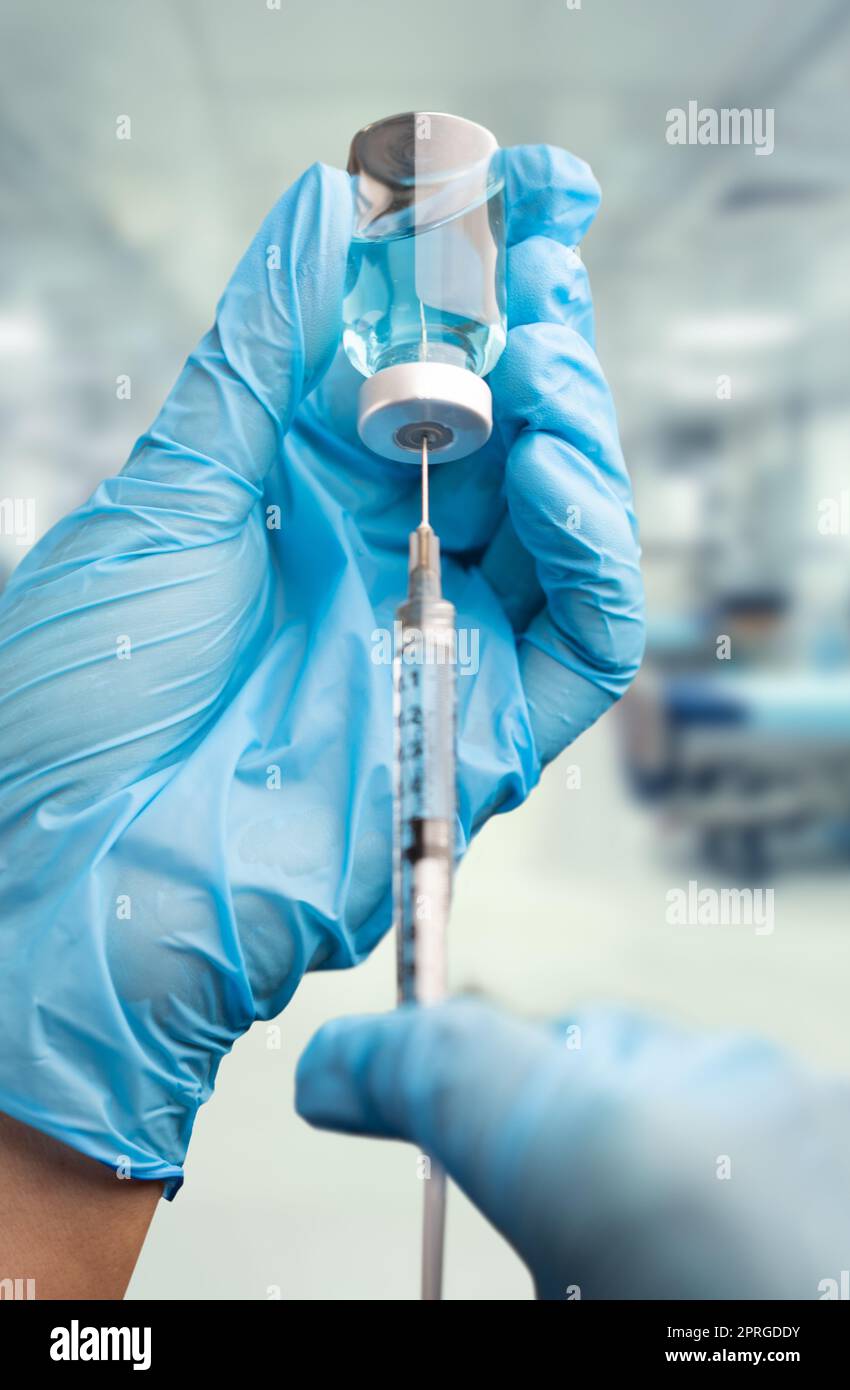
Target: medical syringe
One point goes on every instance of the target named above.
(425, 797)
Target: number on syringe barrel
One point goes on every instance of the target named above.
(426, 723)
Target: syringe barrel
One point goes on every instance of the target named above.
(425, 670)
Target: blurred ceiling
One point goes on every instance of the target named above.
(704, 260)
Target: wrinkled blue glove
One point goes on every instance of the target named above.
(621, 1157)
(195, 740)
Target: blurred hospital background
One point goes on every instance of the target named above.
(722, 283)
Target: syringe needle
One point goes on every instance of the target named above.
(425, 520)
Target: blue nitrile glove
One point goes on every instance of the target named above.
(621, 1157)
(195, 735)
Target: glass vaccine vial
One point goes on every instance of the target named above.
(424, 310)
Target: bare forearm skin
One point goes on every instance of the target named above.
(67, 1222)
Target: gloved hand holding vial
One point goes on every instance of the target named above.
(197, 734)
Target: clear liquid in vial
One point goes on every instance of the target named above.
(431, 295)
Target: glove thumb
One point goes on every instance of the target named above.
(276, 330)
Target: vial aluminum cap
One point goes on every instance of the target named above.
(450, 406)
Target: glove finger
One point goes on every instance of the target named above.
(447, 1078)
(512, 574)
(569, 498)
(548, 283)
(548, 192)
(276, 330)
